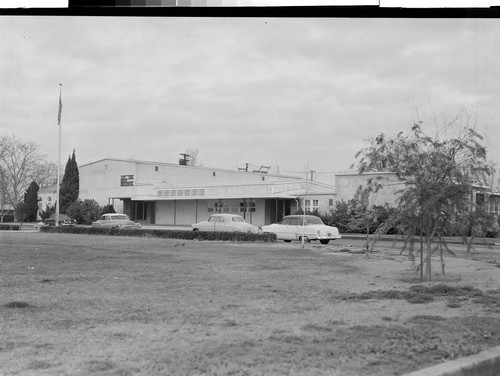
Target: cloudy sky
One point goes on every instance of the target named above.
(294, 94)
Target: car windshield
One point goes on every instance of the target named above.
(238, 219)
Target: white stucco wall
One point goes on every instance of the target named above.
(346, 186)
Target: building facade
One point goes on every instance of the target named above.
(171, 194)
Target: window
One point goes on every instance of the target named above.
(213, 173)
(156, 168)
(330, 202)
(310, 208)
(315, 205)
(49, 199)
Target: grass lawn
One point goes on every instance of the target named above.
(102, 305)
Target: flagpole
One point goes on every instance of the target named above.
(58, 156)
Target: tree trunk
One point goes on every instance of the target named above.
(429, 237)
(428, 274)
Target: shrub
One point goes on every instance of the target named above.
(8, 218)
(166, 234)
(9, 227)
(47, 212)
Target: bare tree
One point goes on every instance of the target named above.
(21, 163)
(193, 157)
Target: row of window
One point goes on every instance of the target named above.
(240, 207)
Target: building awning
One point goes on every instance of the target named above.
(213, 197)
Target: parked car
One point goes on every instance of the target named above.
(225, 223)
(293, 227)
(64, 220)
(115, 220)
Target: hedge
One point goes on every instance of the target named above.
(10, 227)
(166, 234)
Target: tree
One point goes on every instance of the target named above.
(70, 184)
(84, 212)
(108, 209)
(20, 164)
(30, 207)
(439, 173)
(193, 157)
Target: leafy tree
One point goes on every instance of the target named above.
(70, 185)
(439, 173)
(84, 212)
(108, 209)
(20, 164)
(30, 207)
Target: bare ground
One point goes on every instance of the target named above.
(99, 305)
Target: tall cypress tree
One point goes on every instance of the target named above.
(70, 184)
(30, 207)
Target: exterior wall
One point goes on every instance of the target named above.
(101, 181)
(324, 201)
(187, 212)
(346, 186)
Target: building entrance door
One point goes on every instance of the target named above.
(144, 212)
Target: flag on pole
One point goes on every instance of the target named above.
(60, 110)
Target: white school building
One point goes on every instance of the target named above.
(173, 194)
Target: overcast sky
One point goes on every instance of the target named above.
(301, 94)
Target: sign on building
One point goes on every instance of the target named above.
(126, 180)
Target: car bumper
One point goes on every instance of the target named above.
(130, 227)
(328, 236)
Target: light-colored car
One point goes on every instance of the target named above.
(115, 220)
(64, 221)
(225, 223)
(293, 227)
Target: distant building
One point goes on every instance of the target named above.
(346, 185)
(47, 197)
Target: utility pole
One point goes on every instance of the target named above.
(312, 174)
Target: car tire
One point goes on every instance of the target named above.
(324, 241)
(196, 229)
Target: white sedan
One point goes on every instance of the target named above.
(225, 223)
(293, 227)
(115, 220)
